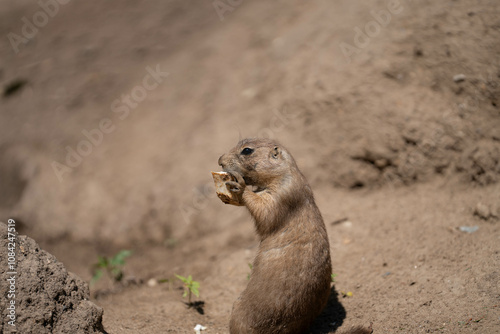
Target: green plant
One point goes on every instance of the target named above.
(191, 287)
(333, 277)
(111, 266)
(250, 273)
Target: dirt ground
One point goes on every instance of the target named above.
(113, 114)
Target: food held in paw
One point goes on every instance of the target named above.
(222, 190)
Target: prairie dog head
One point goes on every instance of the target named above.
(260, 161)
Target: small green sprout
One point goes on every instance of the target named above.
(113, 267)
(333, 277)
(250, 273)
(191, 287)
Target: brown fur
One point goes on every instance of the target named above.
(290, 280)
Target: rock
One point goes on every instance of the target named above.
(199, 328)
(469, 229)
(48, 299)
(482, 210)
(459, 77)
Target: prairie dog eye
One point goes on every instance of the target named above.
(247, 151)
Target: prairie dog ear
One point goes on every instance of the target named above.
(276, 152)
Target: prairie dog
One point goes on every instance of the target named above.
(291, 276)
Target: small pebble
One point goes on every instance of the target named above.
(199, 328)
(459, 77)
(152, 282)
(469, 229)
(482, 211)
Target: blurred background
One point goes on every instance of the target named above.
(113, 113)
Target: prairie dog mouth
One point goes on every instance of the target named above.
(248, 181)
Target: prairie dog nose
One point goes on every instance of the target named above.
(221, 161)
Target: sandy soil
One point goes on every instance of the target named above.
(114, 113)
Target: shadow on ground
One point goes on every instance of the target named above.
(332, 316)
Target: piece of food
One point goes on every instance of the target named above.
(225, 195)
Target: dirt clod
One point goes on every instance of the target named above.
(48, 299)
(482, 210)
(482, 163)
